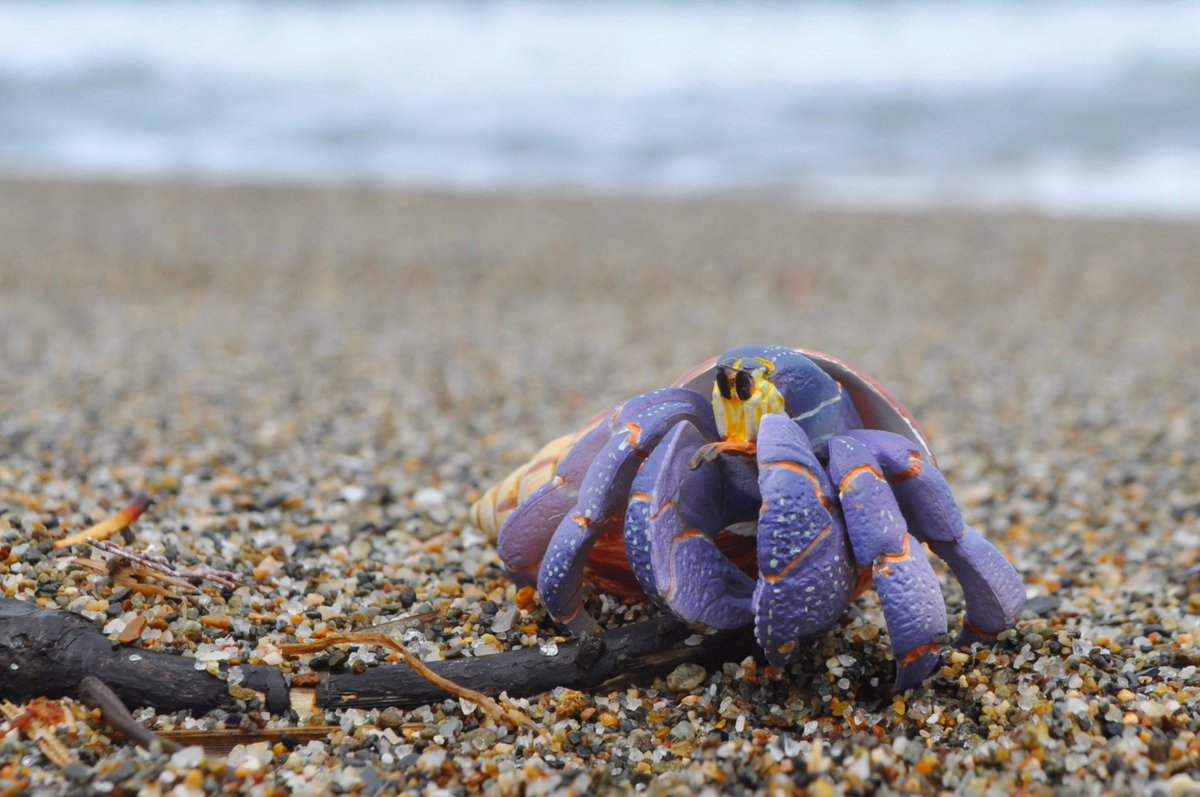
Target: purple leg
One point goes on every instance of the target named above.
(637, 521)
(806, 573)
(908, 590)
(604, 495)
(992, 587)
(692, 576)
(637, 516)
(525, 535)
(637, 527)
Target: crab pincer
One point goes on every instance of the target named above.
(604, 496)
(806, 572)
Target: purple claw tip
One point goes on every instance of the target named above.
(913, 673)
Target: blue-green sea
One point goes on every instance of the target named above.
(1060, 105)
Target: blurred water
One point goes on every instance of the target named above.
(1073, 106)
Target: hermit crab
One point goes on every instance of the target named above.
(774, 502)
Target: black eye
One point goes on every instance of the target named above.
(723, 383)
(744, 385)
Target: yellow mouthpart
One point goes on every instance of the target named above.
(738, 419)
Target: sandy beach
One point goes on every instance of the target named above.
(315, 384)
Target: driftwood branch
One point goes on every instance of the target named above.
(624, 655)
(46, 652)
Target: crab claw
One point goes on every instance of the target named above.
(806, 574)
(604, 497)
(907, 587)
(526, 533)
(690, 573)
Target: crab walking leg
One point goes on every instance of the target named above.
(637, 522)
(637, 516)
(992, 587)
(604, 496)
(526, 534)
(806, 573)
(908, 590)
(690, 573)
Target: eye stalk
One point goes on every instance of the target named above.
(723, 383)
(745, 385)
(742, 394)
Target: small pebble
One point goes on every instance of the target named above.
(570, 704)
(686, 677)
(221, 621)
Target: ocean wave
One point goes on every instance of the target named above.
(985, 101)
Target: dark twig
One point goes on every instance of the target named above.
(93, 692)
(485, 702)
(630, 654)
(45, 652)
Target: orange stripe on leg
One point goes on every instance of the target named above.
(808, 549)
(683, 536)
(634, 435)
(915, 466)
(796, 467)
(855, 473)
(974, 629)
(572, 615)
(662, 508)
(883, 565)
(917, 653)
